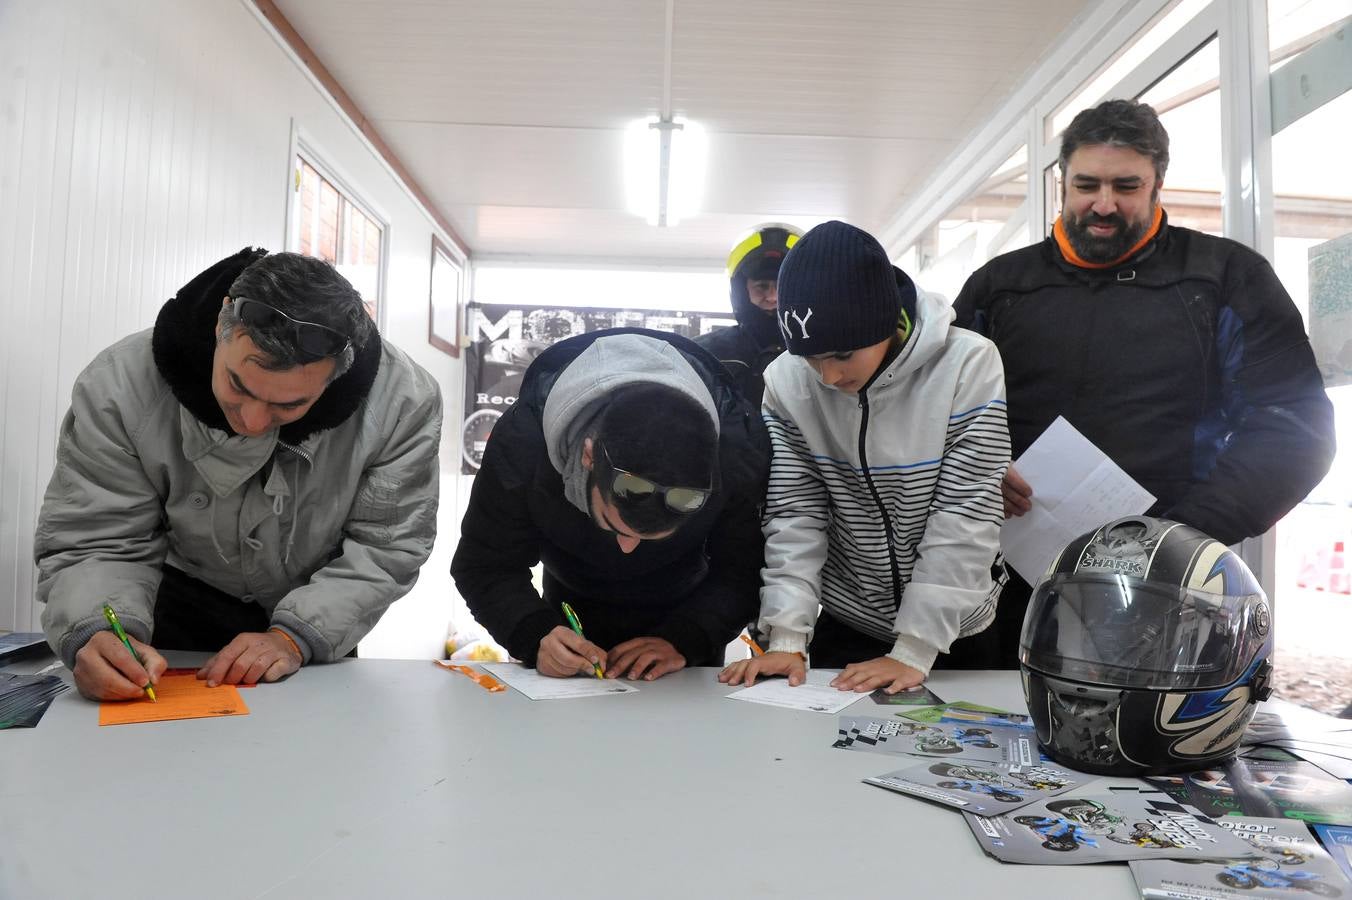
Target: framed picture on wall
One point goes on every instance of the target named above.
(444, 315)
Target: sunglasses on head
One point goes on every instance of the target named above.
(632, 487)
(311, 338)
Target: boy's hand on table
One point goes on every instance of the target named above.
(883, 672)
(776, 662)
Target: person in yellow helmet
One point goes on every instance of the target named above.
(745, 349)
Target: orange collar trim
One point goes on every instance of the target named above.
(1063, 242)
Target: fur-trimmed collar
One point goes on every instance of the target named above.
(184, 343)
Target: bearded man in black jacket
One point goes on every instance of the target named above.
(1178, 354)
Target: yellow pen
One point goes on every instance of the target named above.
(122, 636)
(577, 626)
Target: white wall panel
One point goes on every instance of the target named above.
(140, 141)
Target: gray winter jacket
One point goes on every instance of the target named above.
(324, 533)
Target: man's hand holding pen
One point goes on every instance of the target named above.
(564, 653)
(105, 670)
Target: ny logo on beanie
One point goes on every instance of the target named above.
(801, 320)
(840, 278)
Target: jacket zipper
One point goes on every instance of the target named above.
(1095, 287)
(878, 500)
(298, 451)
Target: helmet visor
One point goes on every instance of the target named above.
(1122, 631)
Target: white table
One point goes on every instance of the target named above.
(393, 779)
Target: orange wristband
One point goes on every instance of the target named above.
(290, 640)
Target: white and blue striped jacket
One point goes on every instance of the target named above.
(885, 507)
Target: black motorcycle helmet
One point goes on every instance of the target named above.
(1145, 650)
(757, 256)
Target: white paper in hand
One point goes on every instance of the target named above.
(1076, 488)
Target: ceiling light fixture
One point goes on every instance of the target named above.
(664, 155)
(664, 169)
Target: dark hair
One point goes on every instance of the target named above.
(658, 433)
(1118, 123)
(308, 290)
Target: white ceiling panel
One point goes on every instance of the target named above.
(600, 234)
(511, 166)
(510, 113)
(749, 174)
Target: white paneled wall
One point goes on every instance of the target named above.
(140, 141)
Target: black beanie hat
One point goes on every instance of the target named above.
(837, 292)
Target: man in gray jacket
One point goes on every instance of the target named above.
(255, 476)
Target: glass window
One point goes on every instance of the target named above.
(332, 226)
(1150, 39)
(1051, 183)
(992, 220)
(1188, 101)
(1294, 25)
(1312, 253)
(1312, 188)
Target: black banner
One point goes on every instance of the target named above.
(504, 340)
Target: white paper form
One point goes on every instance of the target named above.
(815, 694)
(542, 687)
(1076, 488)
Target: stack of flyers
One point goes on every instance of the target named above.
(961, 711)
(911, 696)
(1338, 842)
(903, 736)
(1321, 739)
(1262, 751)
(23, 644)
(1263, 787)
(1290, 861)
(1107, 827)
(987, 789)
(1333, 760)
(1286, 722)
(24, 698)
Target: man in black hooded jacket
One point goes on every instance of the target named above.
(631, 468)
(745, 349)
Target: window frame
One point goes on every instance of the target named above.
(304, 149)
(443, 250)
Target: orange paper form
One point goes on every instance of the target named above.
(180, 697)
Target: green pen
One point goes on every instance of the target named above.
(122, 636)
(577, 626)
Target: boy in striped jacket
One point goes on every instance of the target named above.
(882, 519)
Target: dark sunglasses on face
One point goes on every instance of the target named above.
(311, 338)
(624, 484)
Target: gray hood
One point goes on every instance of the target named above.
(578, 397)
